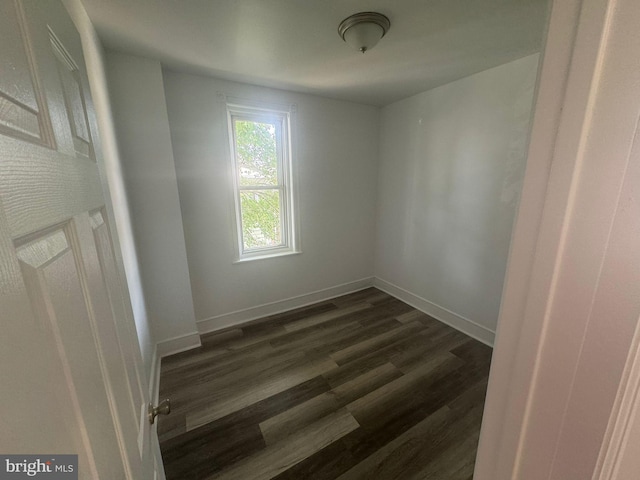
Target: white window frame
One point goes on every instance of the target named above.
(281, 117)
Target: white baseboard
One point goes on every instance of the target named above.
(240, 317)
(178, 344)
(466, 326)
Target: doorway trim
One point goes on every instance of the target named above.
(536, 371)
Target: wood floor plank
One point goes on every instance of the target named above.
(475, 353)
(370, 441)
(454, 455)
(216, 338)
(289, 316)
(472, 397)
(254, 330)
(351, 370)
(399, 457)
(369, 295)
(375, 343)
(361, 386)
(326, 464)
(391, 411)
(420, 354)
(199, 398)
(221, 363)
(316, 335)
(276, 458)
(436, 330)
(260, 411)
(388, 308)
(213, 345)
(332, 345)
(227, 401)
(172, 425)
(255, 337)
(323, 317)
(212, 380)
(456, 462)
(201, 453)
(442, 446)
(398, 391)
(282, 425)
(182, 451)
(366, 383)
(410, 316)
(195, 391)
(398, 346)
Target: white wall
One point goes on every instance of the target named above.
(147, 159)
(110, 166)
(451, 165)
(335, 154)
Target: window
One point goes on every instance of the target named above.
(261, 157)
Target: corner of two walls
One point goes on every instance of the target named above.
(141, 124)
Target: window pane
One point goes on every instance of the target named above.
(256, 152)
(261, 224)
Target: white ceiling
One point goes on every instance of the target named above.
(294, 44)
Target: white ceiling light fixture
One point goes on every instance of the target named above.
(364, 30)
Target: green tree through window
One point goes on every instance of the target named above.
(256, 150)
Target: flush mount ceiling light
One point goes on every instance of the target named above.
(364, 30)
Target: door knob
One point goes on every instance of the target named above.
(163, 408)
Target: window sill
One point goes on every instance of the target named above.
(266, 256)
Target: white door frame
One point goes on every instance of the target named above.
(558, 362)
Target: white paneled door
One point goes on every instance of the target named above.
(70, 368)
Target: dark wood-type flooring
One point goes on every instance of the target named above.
(358, 387)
